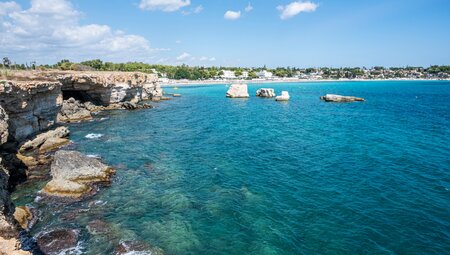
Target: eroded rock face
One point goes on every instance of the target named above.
(73, 111)
(3, 126)
(56, 241)
(340, 99)
(11, 247)
(31, 106)
(107, 88)
(74, 173)
(8, 227)
(238, 91)
(265, 92)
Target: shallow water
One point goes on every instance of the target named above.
(203, 174)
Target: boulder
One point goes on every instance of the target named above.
(47, 141)
(56, 241)
(283, 97)
(264, 92)
(3, 126)
(23, 215)
(73, 111)
(341, 99)
(73, 175)
(238, 91)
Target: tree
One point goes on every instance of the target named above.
(6, 62)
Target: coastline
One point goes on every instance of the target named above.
(225, 82)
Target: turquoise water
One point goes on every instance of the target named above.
(203, 174)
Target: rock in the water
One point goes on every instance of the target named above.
(74, 173)
(136, 247)
(238, 91)
(56, 241)
(47, 141)
(264, 92)
(73, 111)
(98, 227)
(176, 95)
(283, 97)
(3, 126)
(23, 216)
(340, 99)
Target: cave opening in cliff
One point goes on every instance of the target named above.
(79, 95)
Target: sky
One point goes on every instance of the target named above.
(316, 33)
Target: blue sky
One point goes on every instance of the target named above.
(197, 32)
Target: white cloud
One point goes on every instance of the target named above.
(50, 30)
(211, 59)
(198, 9)
(232, 15)
(163, 5)
(184, 56)
(295, 8)
(249, 8)
(6, 7)
(178, 41)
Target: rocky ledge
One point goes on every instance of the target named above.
(340, 99)
(74, 174)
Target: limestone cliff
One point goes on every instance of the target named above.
(30, 103)
(32, 106)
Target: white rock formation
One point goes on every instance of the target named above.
(339, 98)
(265, 92)
(238, 91)
(283, 97)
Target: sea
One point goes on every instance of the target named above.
(206, 174)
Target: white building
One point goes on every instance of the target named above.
(244, 75)
(227, 74)
(264, 74)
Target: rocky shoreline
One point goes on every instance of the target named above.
(33, 109)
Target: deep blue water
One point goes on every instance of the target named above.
(204, 174)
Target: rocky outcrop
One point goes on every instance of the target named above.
(32, 105)
(23, 215)
(107, 88)
(73, 111)
(341, 99)
(264, 92)
(73, 175)
(283, 97)
(238, 91)
(32, 153)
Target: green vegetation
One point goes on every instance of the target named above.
(204, 73)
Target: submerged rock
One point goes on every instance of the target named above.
(73, 111)
(238, 91)
(57, 241)
(265, 92)
(283, 97)
(137, 247)
(340, 99)
(98, 227)
(74, 173)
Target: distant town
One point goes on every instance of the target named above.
(184, 73)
